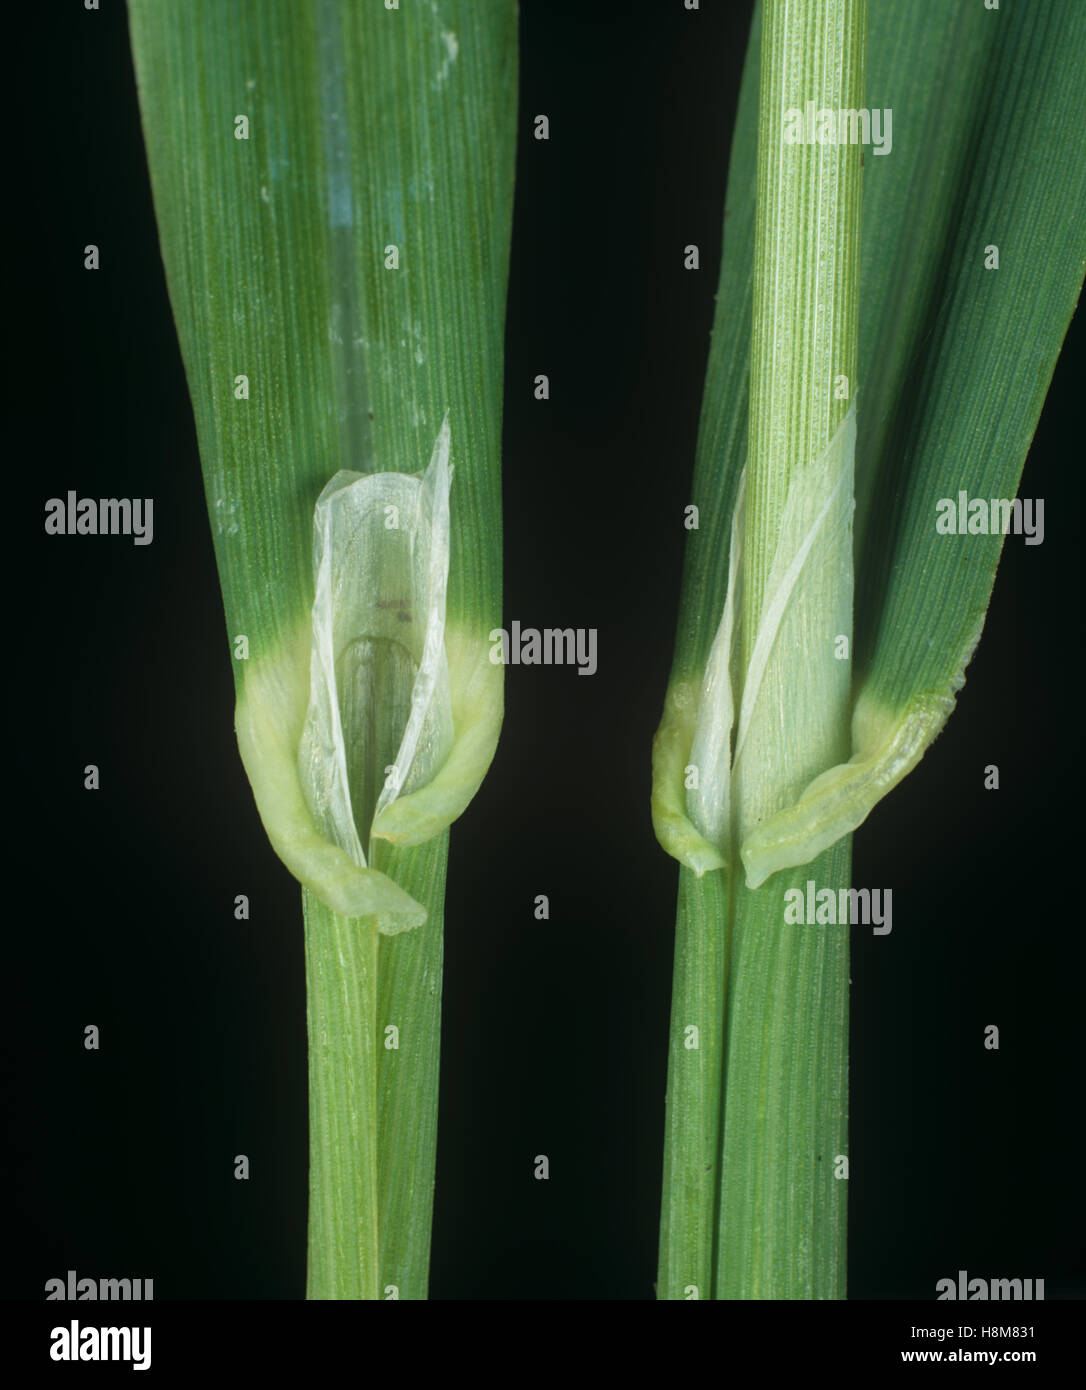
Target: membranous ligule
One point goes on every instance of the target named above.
(379, 721)
(374, 679)
(376, 721)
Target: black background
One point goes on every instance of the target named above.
(121, 1161)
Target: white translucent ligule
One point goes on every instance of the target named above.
(708, 804)
(381, 566)
(371, 678)
(814, 543)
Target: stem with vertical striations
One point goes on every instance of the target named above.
(782, 1212)
(341, 991)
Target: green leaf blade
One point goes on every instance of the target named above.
(961, 360)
